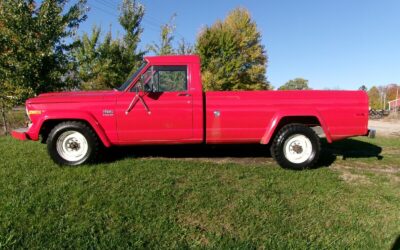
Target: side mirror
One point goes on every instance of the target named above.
(147, 83)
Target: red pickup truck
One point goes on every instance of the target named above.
(164, 103)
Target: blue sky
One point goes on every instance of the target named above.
(334, 44)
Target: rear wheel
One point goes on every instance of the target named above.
(296, 146)
(72, 143)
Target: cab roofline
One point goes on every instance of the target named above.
(173, 59)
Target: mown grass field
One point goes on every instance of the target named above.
(183, 198)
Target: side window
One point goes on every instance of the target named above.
(145, 79)
(164, 79)
(171, 78)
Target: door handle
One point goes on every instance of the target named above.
(184, 94)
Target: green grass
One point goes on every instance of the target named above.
(158, 202)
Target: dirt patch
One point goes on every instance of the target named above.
(350, 174)
(385, 128)
(198, 227)
(391, 150)
(354, 178)
(225, 160)
(387, 170)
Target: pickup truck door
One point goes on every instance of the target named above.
(163, 113)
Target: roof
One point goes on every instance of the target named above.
(173, 59)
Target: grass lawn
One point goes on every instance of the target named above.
(200, 201)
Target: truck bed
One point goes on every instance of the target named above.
(248, 116)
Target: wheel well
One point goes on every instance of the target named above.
(309, 121)
(48, 125)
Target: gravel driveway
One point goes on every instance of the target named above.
(385, 128)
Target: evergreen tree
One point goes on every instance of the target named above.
(165, 47)
(232, 55)
(106, 64)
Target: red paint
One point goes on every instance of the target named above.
(19, 134)
(178, 117)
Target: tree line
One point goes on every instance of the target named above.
(379, 96)
(41, 52)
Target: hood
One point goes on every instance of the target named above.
(72, 96)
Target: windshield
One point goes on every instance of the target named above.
(131, 77)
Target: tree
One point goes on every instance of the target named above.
(184, 48)
(232, 55)
(132, 13)
(363, 88)
(387, 93)
(106, 64)
(165, 47)
(295, 84)
(374, 97)
(92, 67)
(39, 41)
(391, 91)
(34, 50)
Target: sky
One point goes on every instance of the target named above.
(339, 44)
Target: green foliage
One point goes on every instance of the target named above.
(33, 47)
(381, 95)
(363, 88)
(235, 203)
(184, 48)
(34, 42)
(106, 64)
(166, 38)
(374, 98)
(232, 55)
(391, 91)
(165, 45)
(295, 84)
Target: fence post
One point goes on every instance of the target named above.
(3, 116)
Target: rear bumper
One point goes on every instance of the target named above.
(371, 133)
(20, 134)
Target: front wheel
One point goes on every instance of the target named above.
(296, 146)
(72, 143)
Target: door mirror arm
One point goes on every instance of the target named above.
(134, 101)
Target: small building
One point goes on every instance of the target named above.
(394, 105)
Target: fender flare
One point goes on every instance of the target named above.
(73, 115)
(277, 117)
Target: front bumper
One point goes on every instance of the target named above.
(20, 134)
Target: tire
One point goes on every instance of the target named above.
(72, 143)
(296, 146)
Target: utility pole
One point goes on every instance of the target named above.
(384, 102)
(396, 108)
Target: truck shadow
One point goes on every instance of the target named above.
(346, 149)
(245, 154)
